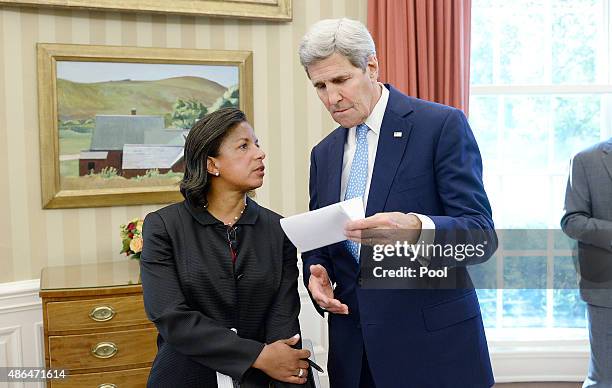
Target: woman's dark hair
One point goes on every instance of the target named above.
(204, 140)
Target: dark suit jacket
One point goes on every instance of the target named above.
(413, 338)
(588, 219)
(194, 294)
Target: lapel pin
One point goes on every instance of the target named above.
(397, 134)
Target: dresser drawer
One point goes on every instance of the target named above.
(131, 378)
(112, 349)
(94, 313)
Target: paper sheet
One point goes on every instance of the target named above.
(324, 226)
(224, 381)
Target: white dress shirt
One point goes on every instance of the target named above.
(374, 122)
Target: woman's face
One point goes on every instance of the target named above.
(240, 160)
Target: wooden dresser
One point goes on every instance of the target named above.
(95, 325)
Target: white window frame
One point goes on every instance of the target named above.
(545, 354)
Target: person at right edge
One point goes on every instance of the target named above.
(588, 220)
(417, 168)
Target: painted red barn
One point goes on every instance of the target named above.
(133, 144)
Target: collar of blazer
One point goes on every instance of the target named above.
(399, 103)
(249, 217)
(390, 150)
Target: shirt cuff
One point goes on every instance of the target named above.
(426, 238)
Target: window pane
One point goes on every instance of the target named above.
(488, 306)
(565, 275)
(494, 188)
(574, 41)
(526, 132)
(523, 203)
(568, 309)
(483, 121)
(522, 46)
(559, 183)
(484, 275)
(576, 126)
(516, 240)
(524, 307)
(563, 242)
(573, 4)
(480, 4)
(481, 69)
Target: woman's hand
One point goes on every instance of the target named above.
(283, 363)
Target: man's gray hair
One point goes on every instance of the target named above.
(344, 36)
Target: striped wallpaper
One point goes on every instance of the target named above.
(289, 119)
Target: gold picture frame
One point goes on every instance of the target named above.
(76, 154)
(278, 10)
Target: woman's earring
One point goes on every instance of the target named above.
(217, 173)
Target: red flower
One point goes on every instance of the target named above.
(131, 226)
(131, 235)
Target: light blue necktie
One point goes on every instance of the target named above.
(358, 177)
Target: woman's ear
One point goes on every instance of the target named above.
(211, 166)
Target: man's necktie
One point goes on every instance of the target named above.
(358, 177)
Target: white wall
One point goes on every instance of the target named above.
(21, 330)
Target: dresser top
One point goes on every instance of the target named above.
(114, 275)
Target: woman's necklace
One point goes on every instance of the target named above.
(239, 215)
(235, 218)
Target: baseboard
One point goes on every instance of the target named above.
(539, 355)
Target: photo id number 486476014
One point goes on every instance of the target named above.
(25, 374)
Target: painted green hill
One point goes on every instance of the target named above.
(79, 101)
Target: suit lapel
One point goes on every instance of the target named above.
(336, 155)
(607, 156)
(390, 150)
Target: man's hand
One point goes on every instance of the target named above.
(384, 228)
(321, 290)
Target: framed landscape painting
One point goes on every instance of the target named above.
(280, 10)
(113, 120)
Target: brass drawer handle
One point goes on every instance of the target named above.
(104, 350)
(107, 386)
(102, 313)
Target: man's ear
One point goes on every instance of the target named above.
(372, 67)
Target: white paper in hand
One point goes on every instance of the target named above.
(324, 226)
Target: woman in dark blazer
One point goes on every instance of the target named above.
(219, 276)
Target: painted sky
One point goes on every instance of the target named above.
(89, 72)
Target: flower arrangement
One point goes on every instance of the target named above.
(131, 238)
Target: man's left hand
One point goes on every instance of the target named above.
(383, 228)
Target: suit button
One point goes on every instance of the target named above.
(239, 276)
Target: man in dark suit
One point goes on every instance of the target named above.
(588, 219)
(418, 169)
